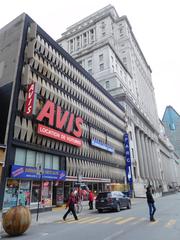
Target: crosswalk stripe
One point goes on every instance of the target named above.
(170, 223)
(113, 220)
(138, 221)
(80, 220)
(99, 220)
(125, 220)
(153, 223)
(88, 220)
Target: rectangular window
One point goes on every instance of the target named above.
(55, 162)
(101, 57)
(92, 35)
(48, 161)
(124, 59)
(31, 158)
(40, 159)
(107, 84)
(84, 39)
(101, 67)
(89, 63)
(132, 151)
(90, 71)
(20, 157)
(71, 46)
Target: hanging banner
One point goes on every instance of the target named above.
(18, 171)
(128, 159)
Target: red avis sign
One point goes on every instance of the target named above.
(55, 117)
(30, 99)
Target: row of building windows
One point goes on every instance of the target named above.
(82, 40)
(29, 158)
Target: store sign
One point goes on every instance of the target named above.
(30, 102)
(18, 171)
(60, 136)
(99, 144)
(128, 159)
(61, 120)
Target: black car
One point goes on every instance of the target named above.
(114, 200)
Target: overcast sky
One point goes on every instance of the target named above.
(155, 24)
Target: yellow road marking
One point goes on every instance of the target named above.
(138, 221)
(88, 220)
(113, 220)
(125, 220)
(100, 220)
(152, 223)
(170, 223)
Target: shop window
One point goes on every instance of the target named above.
(55, 163)
(31, 158)
(46, 194)
(20, 156)
(48, 161)
(11, 194)
(35, 191)
(24, 193)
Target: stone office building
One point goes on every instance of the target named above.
(105, 45)
(59, 124)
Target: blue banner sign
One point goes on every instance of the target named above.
(32, 173)
(128, 159)
(99, 144)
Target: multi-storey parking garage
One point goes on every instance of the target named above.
(61, 126)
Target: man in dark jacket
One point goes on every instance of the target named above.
(150, 201)
(71, 207)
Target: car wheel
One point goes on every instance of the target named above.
(128, 205)
(118, 208)
(100, 210)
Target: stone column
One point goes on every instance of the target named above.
(156, 162)
(144, 152)
(152, 160)
(140, 155)
(148, 157)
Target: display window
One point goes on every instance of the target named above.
(11, 194)
(46, 194)
(35, 194)
(24, 193)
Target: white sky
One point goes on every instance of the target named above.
(155, 24)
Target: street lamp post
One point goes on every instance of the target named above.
(39, 172)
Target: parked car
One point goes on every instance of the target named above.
(114, 200)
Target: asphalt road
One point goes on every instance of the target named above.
(130, 224)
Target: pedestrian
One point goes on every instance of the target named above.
(71, 208)
(91, 198)
(150, 201)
